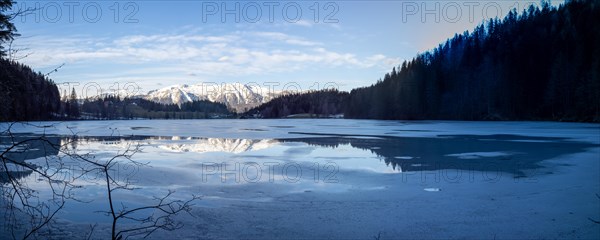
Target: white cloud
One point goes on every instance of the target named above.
(239, 53)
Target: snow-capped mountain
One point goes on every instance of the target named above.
(236, 96)
(235, 146)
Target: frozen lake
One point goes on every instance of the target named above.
(337, 178)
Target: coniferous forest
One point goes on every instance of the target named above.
(25, 94)
(314, 104)
(113, 107)
(541, 64)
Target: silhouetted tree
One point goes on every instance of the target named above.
(7, 29)
(73, 105)
(25, 94)
(540, 64)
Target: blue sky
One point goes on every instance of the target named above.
(155, 44)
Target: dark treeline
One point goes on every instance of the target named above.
(113, 107)
(542, 64)
(314, 103)
(26, 95)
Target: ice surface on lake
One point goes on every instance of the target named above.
(476, 155)
(304, 178)
(246, 128)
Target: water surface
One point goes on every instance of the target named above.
(262, 163)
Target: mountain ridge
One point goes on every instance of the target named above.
(238, 97)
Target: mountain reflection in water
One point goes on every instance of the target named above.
(505, 153)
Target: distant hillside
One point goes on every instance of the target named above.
(113, 107)
(542, 64)
(26, 95)
(315, 104)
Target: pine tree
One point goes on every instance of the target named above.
(73, 105)
(541, 64)
(7, 29)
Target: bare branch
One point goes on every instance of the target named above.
(54, 70)
(24, 199)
